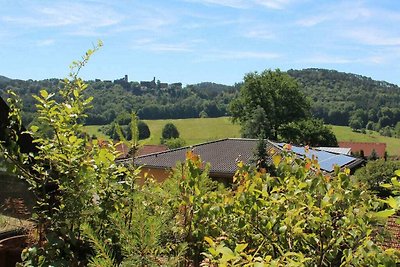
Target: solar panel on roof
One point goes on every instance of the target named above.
(327, 160)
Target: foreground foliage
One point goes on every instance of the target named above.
(300, 217)
(377, 173)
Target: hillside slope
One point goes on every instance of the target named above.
(340, 98)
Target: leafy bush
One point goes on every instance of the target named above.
(111, 130)
(170, 131)
(144, 130)
(173, 143)
(300, 217)
(376, 173)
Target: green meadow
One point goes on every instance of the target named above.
(195, 131)
(200, 130)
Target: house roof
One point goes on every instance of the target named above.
(150, 149)
(392, 240)
(366, 147)
(123, 149)
(224, 154)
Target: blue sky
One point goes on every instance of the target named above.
(199, 40)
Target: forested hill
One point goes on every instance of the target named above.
(117, 98)
(4, 79)
(350, 99)
(338, 98)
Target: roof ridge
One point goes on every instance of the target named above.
(181, 148)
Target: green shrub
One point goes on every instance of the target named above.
(170, 131)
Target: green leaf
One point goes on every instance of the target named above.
(386, 185)
(395, 182)
(302, 185)
(72, 139)
(283, 228)
(44, 93)
(276, 159)
(197, 190)
(385, 213)
(224, 250)
(268, 258)
(209, 241)
(240, 247)
(392, 202)
(34, 128)
(227, 254)
(397, 173)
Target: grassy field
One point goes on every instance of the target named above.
(199, 130)
(195, 131)
(94, 130)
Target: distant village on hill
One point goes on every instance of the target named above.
(153, 84)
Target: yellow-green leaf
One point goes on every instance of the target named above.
(392, 202)
(268, 258)
(72, 139)
(34, 128)
(44, 93)
(385, 213)
(395, 182)
(240, 247)
(209, 241)
(276, 159)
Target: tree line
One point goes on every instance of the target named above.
(337, 98)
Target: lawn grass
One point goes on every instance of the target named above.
(94, 130)
(195, 131)
(200, 130)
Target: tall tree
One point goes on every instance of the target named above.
(277, 95)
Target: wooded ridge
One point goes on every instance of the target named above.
(336, 97)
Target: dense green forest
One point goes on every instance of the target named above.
(114, 98)
(349, 99)
(336, 97)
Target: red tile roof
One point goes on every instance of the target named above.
(123, 149)
(150, 149)
(380, 148)
(393, 238)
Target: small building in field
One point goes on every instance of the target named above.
(223, 156)
(366, 148)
